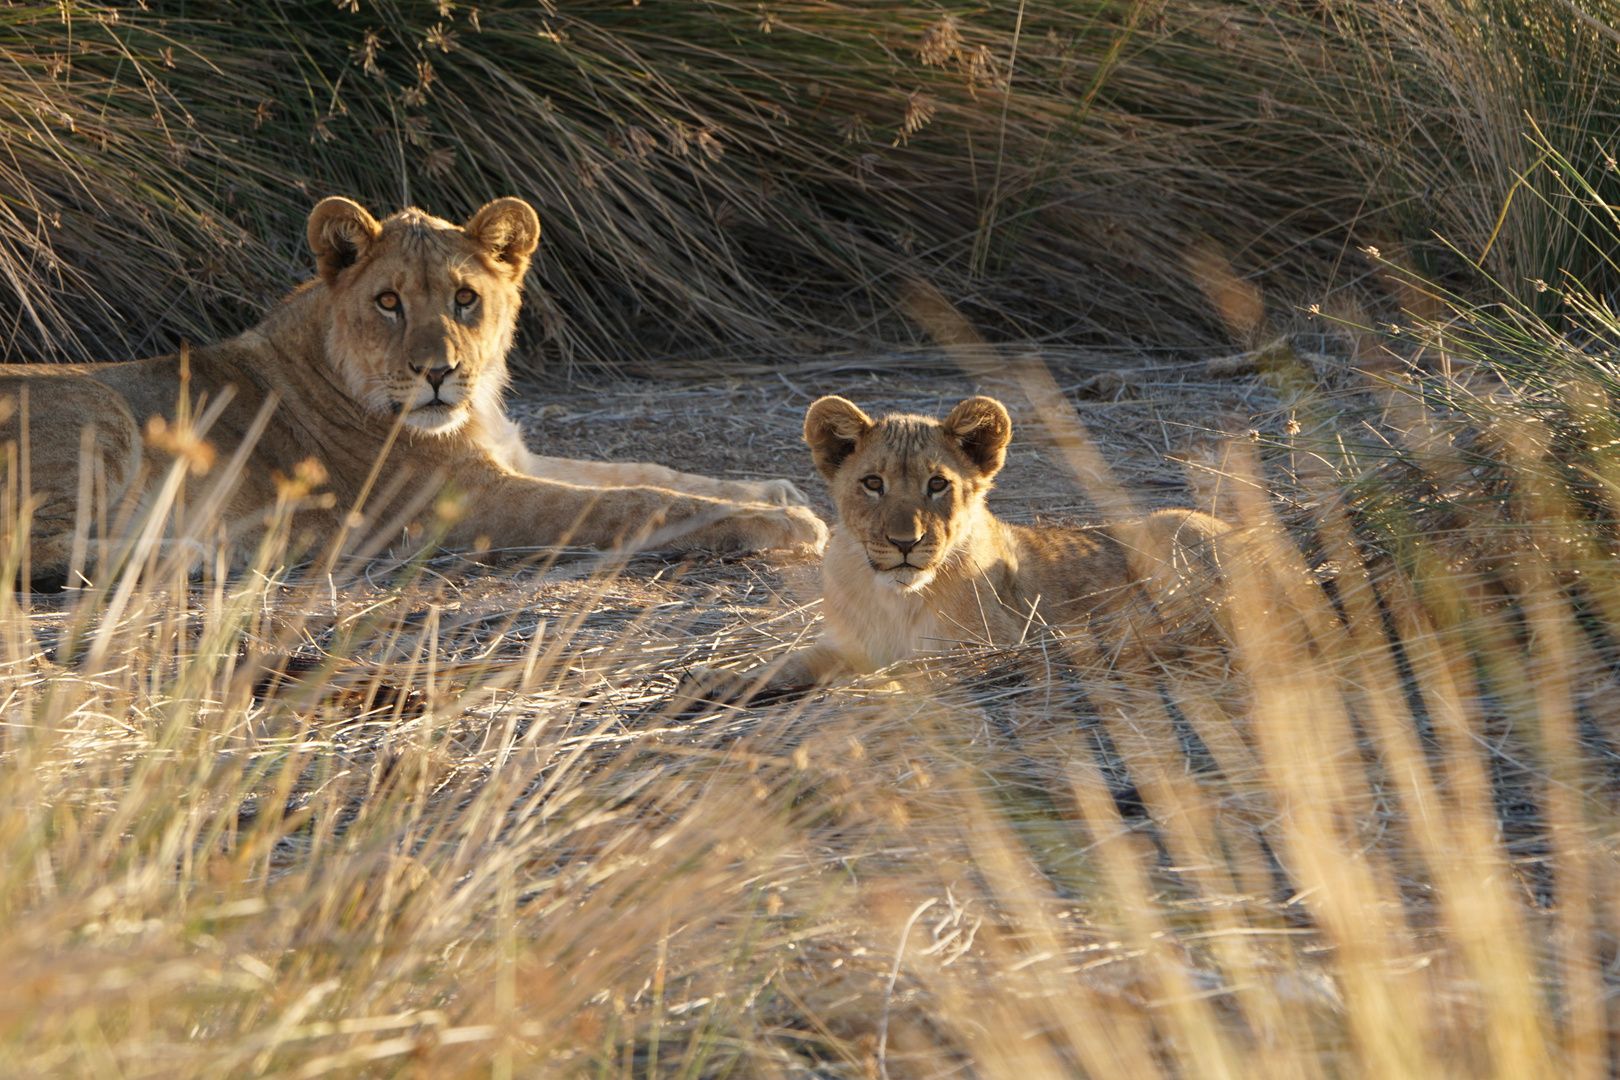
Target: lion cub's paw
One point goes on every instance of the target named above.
(781, 527)
(781, 493)
(708, 686)
(811, 531)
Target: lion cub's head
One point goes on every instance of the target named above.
(422, 311)
(909, 489)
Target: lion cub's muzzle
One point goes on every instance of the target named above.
(436, 384)
(902, 556)
(433, 379)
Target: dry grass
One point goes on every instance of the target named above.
(467, 839)
(433, 817)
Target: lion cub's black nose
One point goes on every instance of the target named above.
(434, 375)
(905, 546)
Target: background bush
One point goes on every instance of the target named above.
(764, 175)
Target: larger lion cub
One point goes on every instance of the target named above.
(396, 349)
(917, 561)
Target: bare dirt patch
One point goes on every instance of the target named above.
(745, 420)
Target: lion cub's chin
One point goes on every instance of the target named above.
(906, 579)
(440, 420)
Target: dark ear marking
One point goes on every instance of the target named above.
(340, 231)
(831, 427)
(508, 230)
(981, 429)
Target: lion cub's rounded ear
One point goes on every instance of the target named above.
(508, 230)
(340, 231)
(982, 429)
(831, 427)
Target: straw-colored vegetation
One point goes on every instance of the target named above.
(431, 817)
(463, 835)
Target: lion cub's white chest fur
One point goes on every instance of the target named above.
(869, 621)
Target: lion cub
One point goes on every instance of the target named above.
(917, 562)
(397, 347)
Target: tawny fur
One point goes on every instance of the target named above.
(410, 316)
(917, 562)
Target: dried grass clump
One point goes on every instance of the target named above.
(721, 174)
(421, 817)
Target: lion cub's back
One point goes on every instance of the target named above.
(1069, 566)
(1164, 570)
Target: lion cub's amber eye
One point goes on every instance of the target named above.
(388, 301)
(872, 483)
(465, 297)
(938, 484)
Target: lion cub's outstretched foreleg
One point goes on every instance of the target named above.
(512, 453)
(918, 563)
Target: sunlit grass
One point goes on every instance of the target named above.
(1376, 840)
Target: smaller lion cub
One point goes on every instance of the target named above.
(918, 563)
